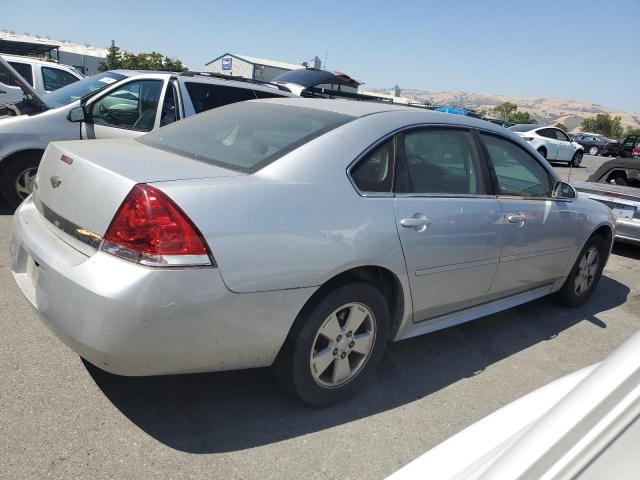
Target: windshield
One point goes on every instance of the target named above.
(74, 91)
(244, 136)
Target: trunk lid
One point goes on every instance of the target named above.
(81, 184)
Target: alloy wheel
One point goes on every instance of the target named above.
(593, 151)
(587, 269)
(343, 345)
(25, 182)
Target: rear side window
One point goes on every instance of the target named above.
(441, 162)
(244, 136)
(375, 172)
(205, 96)
(517, 172)
(54, 78)
(547, 133)
(263, 94)
(24, 69)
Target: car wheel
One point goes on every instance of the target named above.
(585, 274)
(543, 151)
(577, 159)
(335, 345)
(18, 177)
(593, 150)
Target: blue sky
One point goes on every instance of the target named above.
(584, 50)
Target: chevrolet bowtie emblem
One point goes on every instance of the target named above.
(55, 181)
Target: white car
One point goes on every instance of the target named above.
(583, 426)
(43, 76)
(551, 142)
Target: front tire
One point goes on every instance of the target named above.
(585, 274)
(577, 159)
(18, 176)
(336, 344)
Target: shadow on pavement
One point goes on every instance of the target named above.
(4, 208)
(228, 411)
(626, 250)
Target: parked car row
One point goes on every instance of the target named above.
(114, 104)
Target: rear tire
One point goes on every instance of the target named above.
(543, 151)
(312, 362)
(17, 177)
(585, 274)
(594, 151)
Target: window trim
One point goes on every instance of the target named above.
(494, 177)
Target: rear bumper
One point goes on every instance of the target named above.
(134, 320)
(628, 231)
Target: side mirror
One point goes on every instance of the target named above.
(77, 114)
(563, 191)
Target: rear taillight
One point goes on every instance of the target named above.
(528, 139)
(150, 229)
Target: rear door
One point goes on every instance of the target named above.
(628, 144)
(129, 110)
(565, 148)
(550, 143)
(539, 231)
(449, 226)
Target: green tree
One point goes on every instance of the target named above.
(113, 60)
(508, 112)
(140, 61)
(561, 126)
(603, 123)
(632, 131)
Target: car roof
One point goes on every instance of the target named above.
(356, 108)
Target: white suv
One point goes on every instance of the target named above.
(113, 104)
(43, 76)
(551, 142)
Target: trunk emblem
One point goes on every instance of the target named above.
(55, 181)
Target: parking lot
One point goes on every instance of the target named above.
(63, 418)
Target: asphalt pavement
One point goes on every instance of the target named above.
(63, 418)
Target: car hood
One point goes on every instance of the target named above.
(22, 83)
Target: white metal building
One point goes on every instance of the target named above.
(85, 58)
(253, 67)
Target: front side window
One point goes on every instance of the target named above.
(54, 78)
(244, 136)
(440, 162)
(205, 96)
(560, 135)
(132, 106)
(375, 172)
(517, 172)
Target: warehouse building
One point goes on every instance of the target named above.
(253, 67)
(85, 58)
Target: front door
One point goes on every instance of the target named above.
(449, 227)
(539, 232)
(565, 148)
(126, 112)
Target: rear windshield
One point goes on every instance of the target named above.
(244, 136)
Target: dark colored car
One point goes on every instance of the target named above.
(592, 144)
(624, 148)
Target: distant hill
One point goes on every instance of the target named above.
(547, 111)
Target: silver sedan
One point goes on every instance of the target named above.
(300, 234)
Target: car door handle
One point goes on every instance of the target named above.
(517, 219)
(419, 224)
